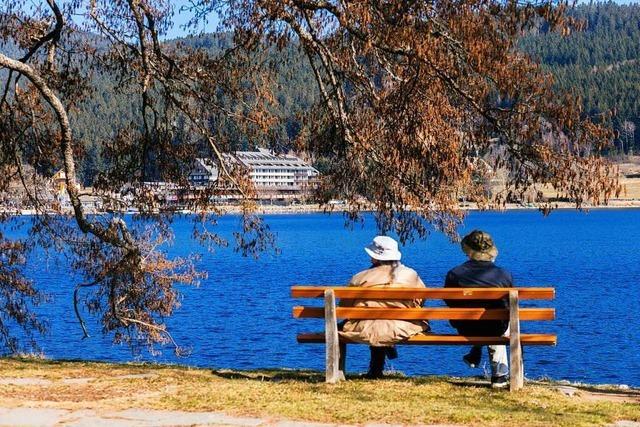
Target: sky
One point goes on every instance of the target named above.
(181, 18)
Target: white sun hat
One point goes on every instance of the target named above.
(383, 248)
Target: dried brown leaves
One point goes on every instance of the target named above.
(422, 104)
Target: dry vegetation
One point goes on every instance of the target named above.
(630, 177)
(300, 395)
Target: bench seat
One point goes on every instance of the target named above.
(433, 339)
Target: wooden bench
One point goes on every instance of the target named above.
(336, 345)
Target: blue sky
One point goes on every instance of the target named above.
(180, 19)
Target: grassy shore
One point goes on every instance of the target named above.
(302, 396)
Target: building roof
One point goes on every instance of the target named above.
(207, 165)
(264, 157)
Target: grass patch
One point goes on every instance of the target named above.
(301, 395)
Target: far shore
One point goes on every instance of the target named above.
(315, 208)
(338, 208)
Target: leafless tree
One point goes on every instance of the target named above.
(628, 133)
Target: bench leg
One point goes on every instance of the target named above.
(343, 360)
(332, 338)
(516, 367)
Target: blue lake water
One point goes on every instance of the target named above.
(240, 317)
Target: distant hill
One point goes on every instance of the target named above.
(600, 64)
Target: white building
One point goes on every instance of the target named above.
(203, 173)
(270, 173)
(277, 173)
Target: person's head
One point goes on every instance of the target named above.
(383, 250)
(479, 246)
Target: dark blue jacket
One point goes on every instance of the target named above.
(479, 274)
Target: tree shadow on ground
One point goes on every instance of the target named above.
(270, 375)
(316, 377)
(477, 381)
(276, 375)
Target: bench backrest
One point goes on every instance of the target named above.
(425, 313)
(352, 292)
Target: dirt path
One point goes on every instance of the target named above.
(45, 417)
(132, 417)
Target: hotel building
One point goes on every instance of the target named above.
(270, 173)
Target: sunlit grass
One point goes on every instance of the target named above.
(298, 395)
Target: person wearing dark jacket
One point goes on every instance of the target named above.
(481, 272)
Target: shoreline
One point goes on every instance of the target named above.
(316, 208)
(626, 204)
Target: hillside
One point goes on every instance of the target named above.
(600, 64)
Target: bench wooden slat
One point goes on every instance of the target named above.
(427, 293)
(439, 313)
(428, 339)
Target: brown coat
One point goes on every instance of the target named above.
(380, 332)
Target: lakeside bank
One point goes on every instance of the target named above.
(294, 397)
(315, 208)
(338, 208)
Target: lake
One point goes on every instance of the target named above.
(240, 317)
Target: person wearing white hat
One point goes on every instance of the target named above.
(386, 272)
